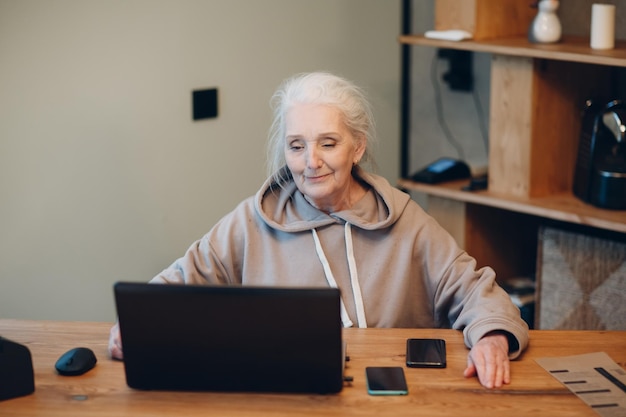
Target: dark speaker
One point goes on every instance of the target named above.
(16, 370)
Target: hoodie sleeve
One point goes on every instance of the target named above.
(199, 265)
(467, 298)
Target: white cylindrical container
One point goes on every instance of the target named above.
(602, 26)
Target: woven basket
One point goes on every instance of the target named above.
(581, 282)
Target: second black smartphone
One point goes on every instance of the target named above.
(386, 380)
(426, 353)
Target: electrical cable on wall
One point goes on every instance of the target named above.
(481, 118)
(439, 107)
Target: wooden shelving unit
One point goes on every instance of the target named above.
(562, 207)
(570, 49)
(537, 96)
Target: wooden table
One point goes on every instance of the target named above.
(432, 392)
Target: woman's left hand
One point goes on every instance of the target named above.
(115, 342)
(489, 360)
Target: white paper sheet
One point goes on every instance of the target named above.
(595, 378)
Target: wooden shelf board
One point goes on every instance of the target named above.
(564, 207)
(572, 49)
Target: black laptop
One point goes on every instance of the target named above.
(230, 338)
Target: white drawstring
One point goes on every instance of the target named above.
(354, 278)
(345, 319)
(356, 288)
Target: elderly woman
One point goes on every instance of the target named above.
(322, 220)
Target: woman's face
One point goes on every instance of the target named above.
(320, 152)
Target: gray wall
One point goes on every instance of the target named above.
(103, 175)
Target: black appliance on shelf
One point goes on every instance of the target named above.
(600, 173)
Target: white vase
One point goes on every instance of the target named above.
(546, 26)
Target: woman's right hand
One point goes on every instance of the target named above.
(115, 343)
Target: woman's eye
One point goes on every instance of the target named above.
(328, 144)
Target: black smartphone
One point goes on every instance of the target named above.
(426, 353)
(386, 380)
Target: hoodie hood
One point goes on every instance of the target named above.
(283, 207)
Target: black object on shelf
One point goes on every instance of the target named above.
(443, 169)
(600, 174)
(477, 183)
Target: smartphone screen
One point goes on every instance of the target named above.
(426, 353)
(387, 380)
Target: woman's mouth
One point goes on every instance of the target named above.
(315, 178)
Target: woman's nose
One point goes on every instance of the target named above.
(312, 160)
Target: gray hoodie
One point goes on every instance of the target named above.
(394, 264)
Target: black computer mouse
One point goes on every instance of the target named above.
(76, 361)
